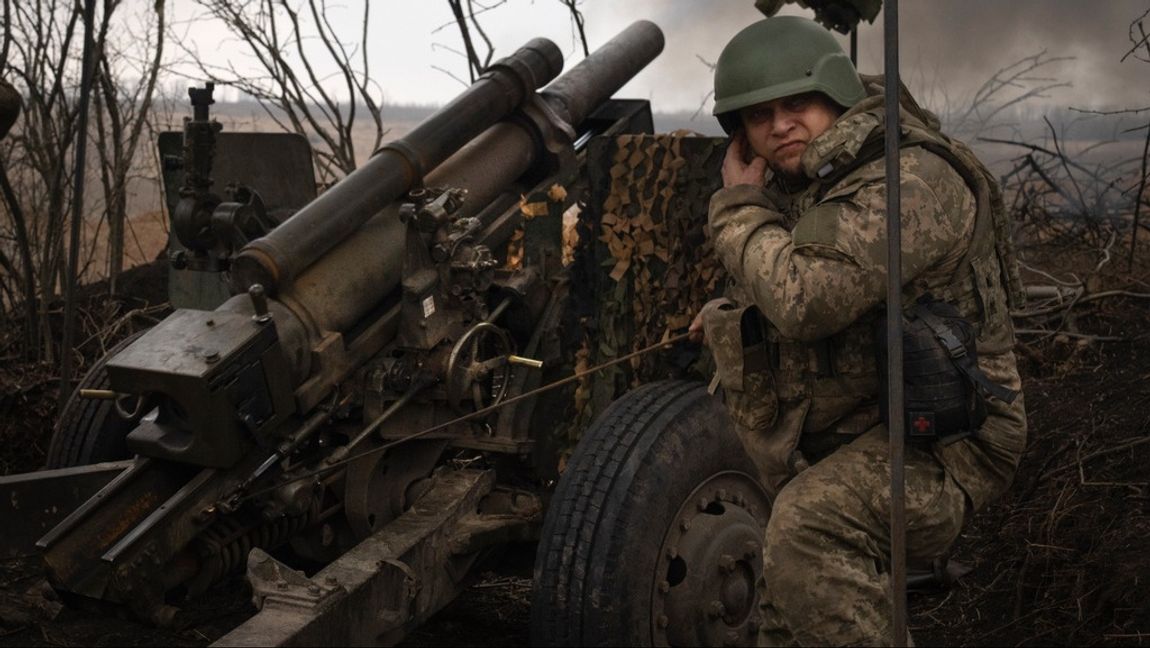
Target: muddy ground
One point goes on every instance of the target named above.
(1061, 560)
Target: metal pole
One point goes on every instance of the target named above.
(77, 203)
(894, 328)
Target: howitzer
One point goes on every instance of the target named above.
(318, 409)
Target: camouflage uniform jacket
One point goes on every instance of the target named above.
(812, 259)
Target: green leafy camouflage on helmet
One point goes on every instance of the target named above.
(780, 57)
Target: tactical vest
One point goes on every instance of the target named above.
(828, 390)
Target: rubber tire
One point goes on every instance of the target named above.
(90, 431)
(628, 476)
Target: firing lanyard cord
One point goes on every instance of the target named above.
(466, 417)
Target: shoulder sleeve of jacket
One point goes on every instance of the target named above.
(819, 278)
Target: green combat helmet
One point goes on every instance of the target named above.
(780, 57)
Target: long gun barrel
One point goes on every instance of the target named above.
(294, 246)
(335, 292)
(396, 168)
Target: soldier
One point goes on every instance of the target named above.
(800, 225)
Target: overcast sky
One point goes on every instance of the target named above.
(946, 44)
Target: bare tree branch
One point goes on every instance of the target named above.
(1124, 111)
(1025, 76)
(1139, 41)
(289, 47)
(121, 115)
(577, 21)
(473, 64)
(1145, 41)
(482, 34)
(710, 93)
(450, 74)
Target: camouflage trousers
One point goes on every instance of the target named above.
(827, 549)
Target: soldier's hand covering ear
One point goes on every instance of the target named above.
(741, 165)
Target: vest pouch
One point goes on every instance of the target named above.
(940, 401)
(737, 341)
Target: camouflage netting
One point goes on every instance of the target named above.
(643, 266)
(545, 234)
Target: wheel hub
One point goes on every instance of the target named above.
(709, 562)
(375, 488)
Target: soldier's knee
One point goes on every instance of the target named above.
(813, 521)
(796, 521)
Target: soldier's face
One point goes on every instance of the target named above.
(780, 130)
